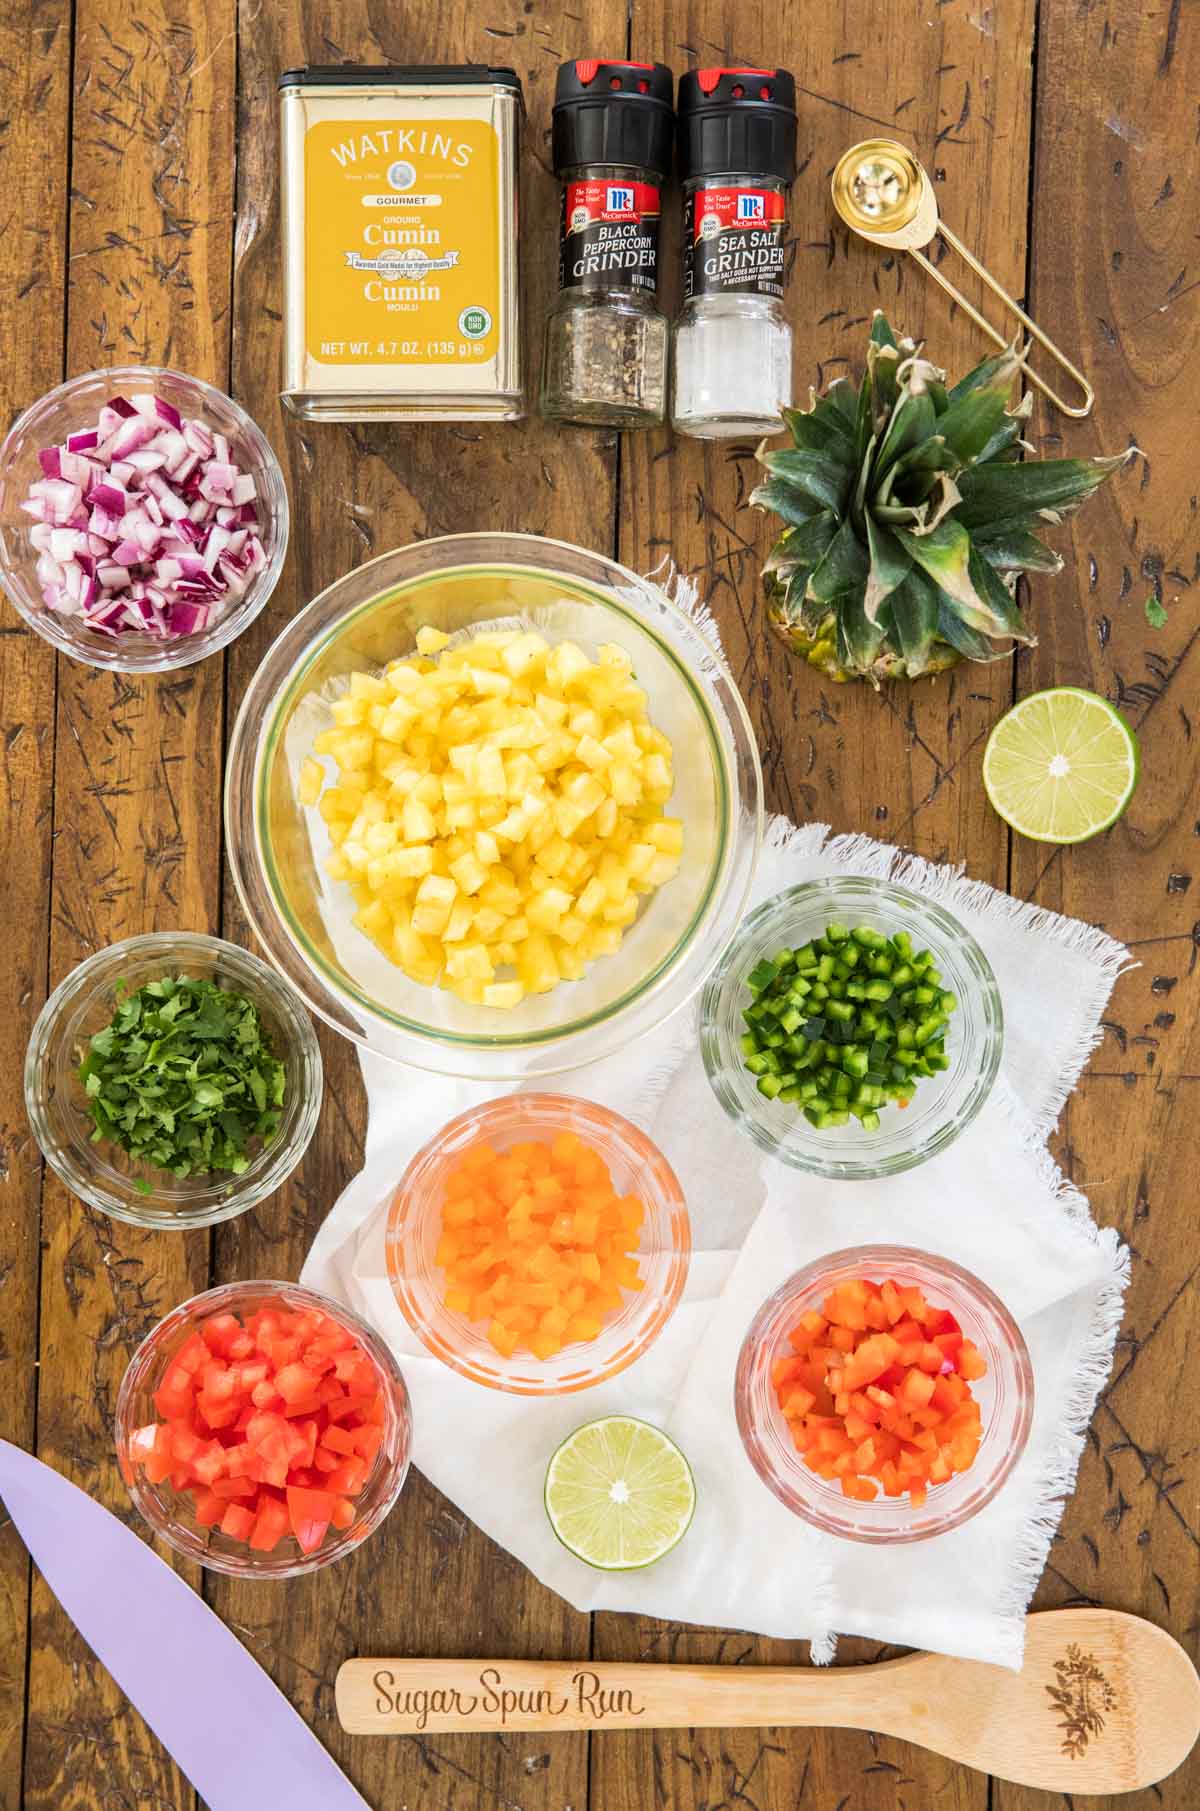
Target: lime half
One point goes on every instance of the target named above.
(619, 1493)
(1061, 765)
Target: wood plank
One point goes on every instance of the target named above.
(429, 1579)
(892, 764)
(137, 785)
(1114, 278)
(35, 73)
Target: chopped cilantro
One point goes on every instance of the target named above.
(184, 1078)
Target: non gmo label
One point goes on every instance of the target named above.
(401, 242)
(609, 236)
(733, 241)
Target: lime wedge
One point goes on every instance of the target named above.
(1061, 765)
(619, 1494)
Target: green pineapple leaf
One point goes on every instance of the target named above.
(914, 613)
(813, 476)
(1014, 549)
(910, 513)
(995, 494)
(843, 567)
(804, 544)
(789, 501)
(891, 564)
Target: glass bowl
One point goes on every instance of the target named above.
(1005, 1397)
(277, 846)
(170, 1512)
(942, 1105)
(103, 1174)
(637, 1166)
(74, 406)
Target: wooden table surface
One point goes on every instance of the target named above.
(139, 201)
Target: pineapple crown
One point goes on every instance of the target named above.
(910, 513)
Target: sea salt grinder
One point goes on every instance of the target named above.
(737, 161)
(606, 342)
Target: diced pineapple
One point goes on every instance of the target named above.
(435, 898)
(503, 994)
(460, 921)
(498, 805)
(430, 640)
(469, 873)
(666, 835)
(413, 863)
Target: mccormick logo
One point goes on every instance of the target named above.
(750, 207)
(618, 200)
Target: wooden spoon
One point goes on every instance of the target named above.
(1104, 1702)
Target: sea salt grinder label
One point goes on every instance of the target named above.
(609, 236)
(733, 242)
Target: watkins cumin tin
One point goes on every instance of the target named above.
(400, 243)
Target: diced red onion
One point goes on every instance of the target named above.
(144, 523)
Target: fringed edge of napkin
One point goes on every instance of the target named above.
(1056, 1481)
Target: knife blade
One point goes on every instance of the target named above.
(226, 1724)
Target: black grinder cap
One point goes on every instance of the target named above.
(614, 113)
(737, 122)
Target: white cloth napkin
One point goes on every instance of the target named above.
(993, 1201)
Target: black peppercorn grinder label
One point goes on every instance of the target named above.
(609, 236)
(733, 241)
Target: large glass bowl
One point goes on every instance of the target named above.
(104, 1175)
(942, 1105)
(1005, 1396)
(74, 406)
(637, 1167)
(277, 846)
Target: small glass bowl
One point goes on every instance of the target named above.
(104, 1175)
(74, 406)
(1005, 1397)
(305, 920)
(170, 1512)
(637, 1166)
(943, 1104)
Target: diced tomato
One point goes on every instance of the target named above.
(239, 1488)
(210, 1463)
(367, 1442)
(237, 1522)
(192, 1354)
(270, 1526)
(272, 1426)
(310, 1513)
(220, 1332)
(348, 1478)
(339, 1440)
(209, 1508)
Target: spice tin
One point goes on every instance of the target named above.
(400, 243)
